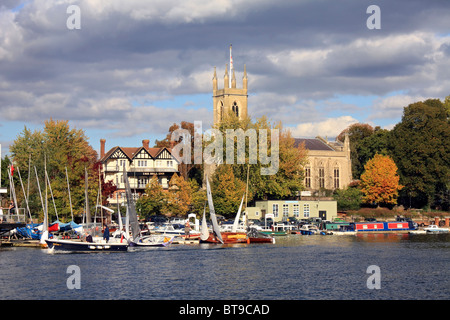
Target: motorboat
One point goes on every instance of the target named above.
(309, 229)
(153, 240)
(344, 230)
(175, 229)
(435, 229)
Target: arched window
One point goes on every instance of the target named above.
(235, 109)
(336, 176)
(220, 111)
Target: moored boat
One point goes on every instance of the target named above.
(84, 246)
(435, 229)
(216, 236)
(309, 229)
(383, 226)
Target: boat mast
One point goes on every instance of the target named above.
(68, 189)
(86, 194)
(25, 196)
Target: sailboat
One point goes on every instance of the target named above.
(136, 239)
(83, 246)
(216, 236)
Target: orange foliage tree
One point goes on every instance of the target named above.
(380, 181)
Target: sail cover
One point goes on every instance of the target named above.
(205, 233)
(238, 216)
(212, 213)
(134, 224)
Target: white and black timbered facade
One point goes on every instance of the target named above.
(141, 165)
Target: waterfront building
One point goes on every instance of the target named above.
(141, 164)
(329, 164)
(282, 210)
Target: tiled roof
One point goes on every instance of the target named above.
(313, 144)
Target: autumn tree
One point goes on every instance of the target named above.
(56, 148)
(153, 201)
(227, 191)
(179, 196)
(287, 181)
(187, 170)
(380, 181)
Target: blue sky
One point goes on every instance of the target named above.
(136, 67)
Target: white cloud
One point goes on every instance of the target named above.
(331, 127)
(392, 107)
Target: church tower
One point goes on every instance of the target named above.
(230, 98)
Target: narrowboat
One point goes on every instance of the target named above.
(383, 226)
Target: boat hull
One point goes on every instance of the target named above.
(79, 246)
(227, 237)
(261, 240)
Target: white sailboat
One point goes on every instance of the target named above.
(85, 246)
(136, 239)
(217, 236)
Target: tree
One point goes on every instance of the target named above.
(420, 146)
(187, 170)
(288, 179)
(356, 133)
(227, 191)
(378, 142)
(380, 181)
(153, 201)
(179, 196)
(348, 199)
(198, 197)
(58, 147)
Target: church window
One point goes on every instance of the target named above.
(220, 111)
(321, 177)
(308, 177)
(235, 109)
(336, 178)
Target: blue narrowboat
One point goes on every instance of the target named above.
(382, 226)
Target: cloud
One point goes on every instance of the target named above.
(132, 59)
(327, 128)
(392, 107)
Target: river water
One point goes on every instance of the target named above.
(296, 267)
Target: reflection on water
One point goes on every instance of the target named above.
(295, 267)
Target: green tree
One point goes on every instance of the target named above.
(420, 146)
(356, 133)
(378, 142)
(348, 199)
(198, 196)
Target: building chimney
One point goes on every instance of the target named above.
(102, 148)
(145, 144)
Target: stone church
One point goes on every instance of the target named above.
(329, 163)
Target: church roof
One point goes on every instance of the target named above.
(313, 144)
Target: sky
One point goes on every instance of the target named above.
(125, 71)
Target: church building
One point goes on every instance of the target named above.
(329, 163)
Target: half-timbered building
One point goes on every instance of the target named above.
(141, 164)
